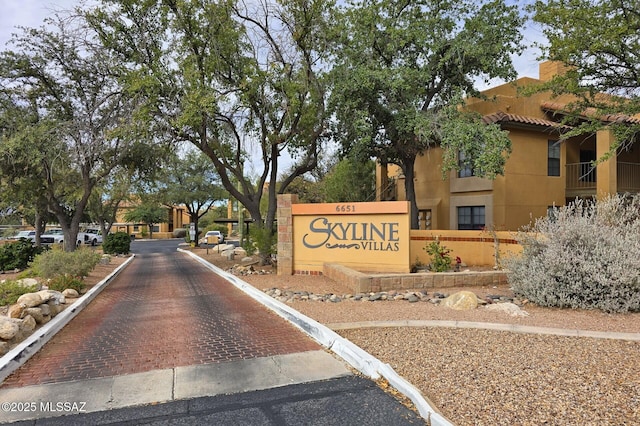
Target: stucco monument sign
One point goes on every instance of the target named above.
(363, 236)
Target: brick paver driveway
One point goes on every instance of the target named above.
(163, 311)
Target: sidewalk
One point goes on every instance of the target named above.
(173, 384)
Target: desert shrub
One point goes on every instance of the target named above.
(53, 263)
(11, 290)
(17, 255)
(584, 255)
(263, 241)
(249, 245)
(65, 281)
(117, 243)
(27, 273)
(179, 233)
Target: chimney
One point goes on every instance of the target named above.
(550, 69)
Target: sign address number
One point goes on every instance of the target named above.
(345, 208)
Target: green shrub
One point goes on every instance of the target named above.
(17, 255)
(11, 290)
(249, 245)
(117, 243)
(53, 263)
(585, 255)
(440, 259)
(63, 282)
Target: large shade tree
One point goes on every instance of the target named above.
(26, 148)
(68, 77)
(241, 81)
(599, 42)
(191, 180)
(399, 64)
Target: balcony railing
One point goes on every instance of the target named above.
(628, 177)
(582, 178)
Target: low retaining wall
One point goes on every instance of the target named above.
(366, 283)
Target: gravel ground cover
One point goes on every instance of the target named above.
(485, 377)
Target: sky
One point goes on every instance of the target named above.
(31, 13)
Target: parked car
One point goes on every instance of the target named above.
(56, 236)
(92, 236)
(29, 235)
(52, 236)
(212, 234)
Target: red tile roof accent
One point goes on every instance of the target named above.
(591, 112)
(502, 117)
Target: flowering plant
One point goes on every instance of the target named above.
(440, 259)
(458, 264)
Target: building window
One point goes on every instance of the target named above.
(465, 168)
(471, 217)
(424, 219)
(553, 158)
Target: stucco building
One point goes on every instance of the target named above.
(541, 171)
(177, 218)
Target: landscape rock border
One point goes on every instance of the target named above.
(461, 300)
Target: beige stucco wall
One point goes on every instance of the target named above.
(475, 248)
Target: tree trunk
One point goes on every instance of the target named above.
(410, 191)
(40, 223)
(70, 232)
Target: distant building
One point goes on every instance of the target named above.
(177, 218)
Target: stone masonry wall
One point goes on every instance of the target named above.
(365, 283)
(285, 233)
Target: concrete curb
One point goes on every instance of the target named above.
(513, 328)
(352, 354)
(17, 356)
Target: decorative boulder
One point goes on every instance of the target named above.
(8, 329)
(28, 324)
(70, 293)
(37, 315)
(48, 295)
(461, 301)
(28, 282)
(30, 300)
(17, 310)
(508, 308)
(4, 347)
(54, 307)
(46, 309)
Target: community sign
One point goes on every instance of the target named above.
(363, 236)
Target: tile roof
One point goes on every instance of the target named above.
(591, 112)
(502, 117)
